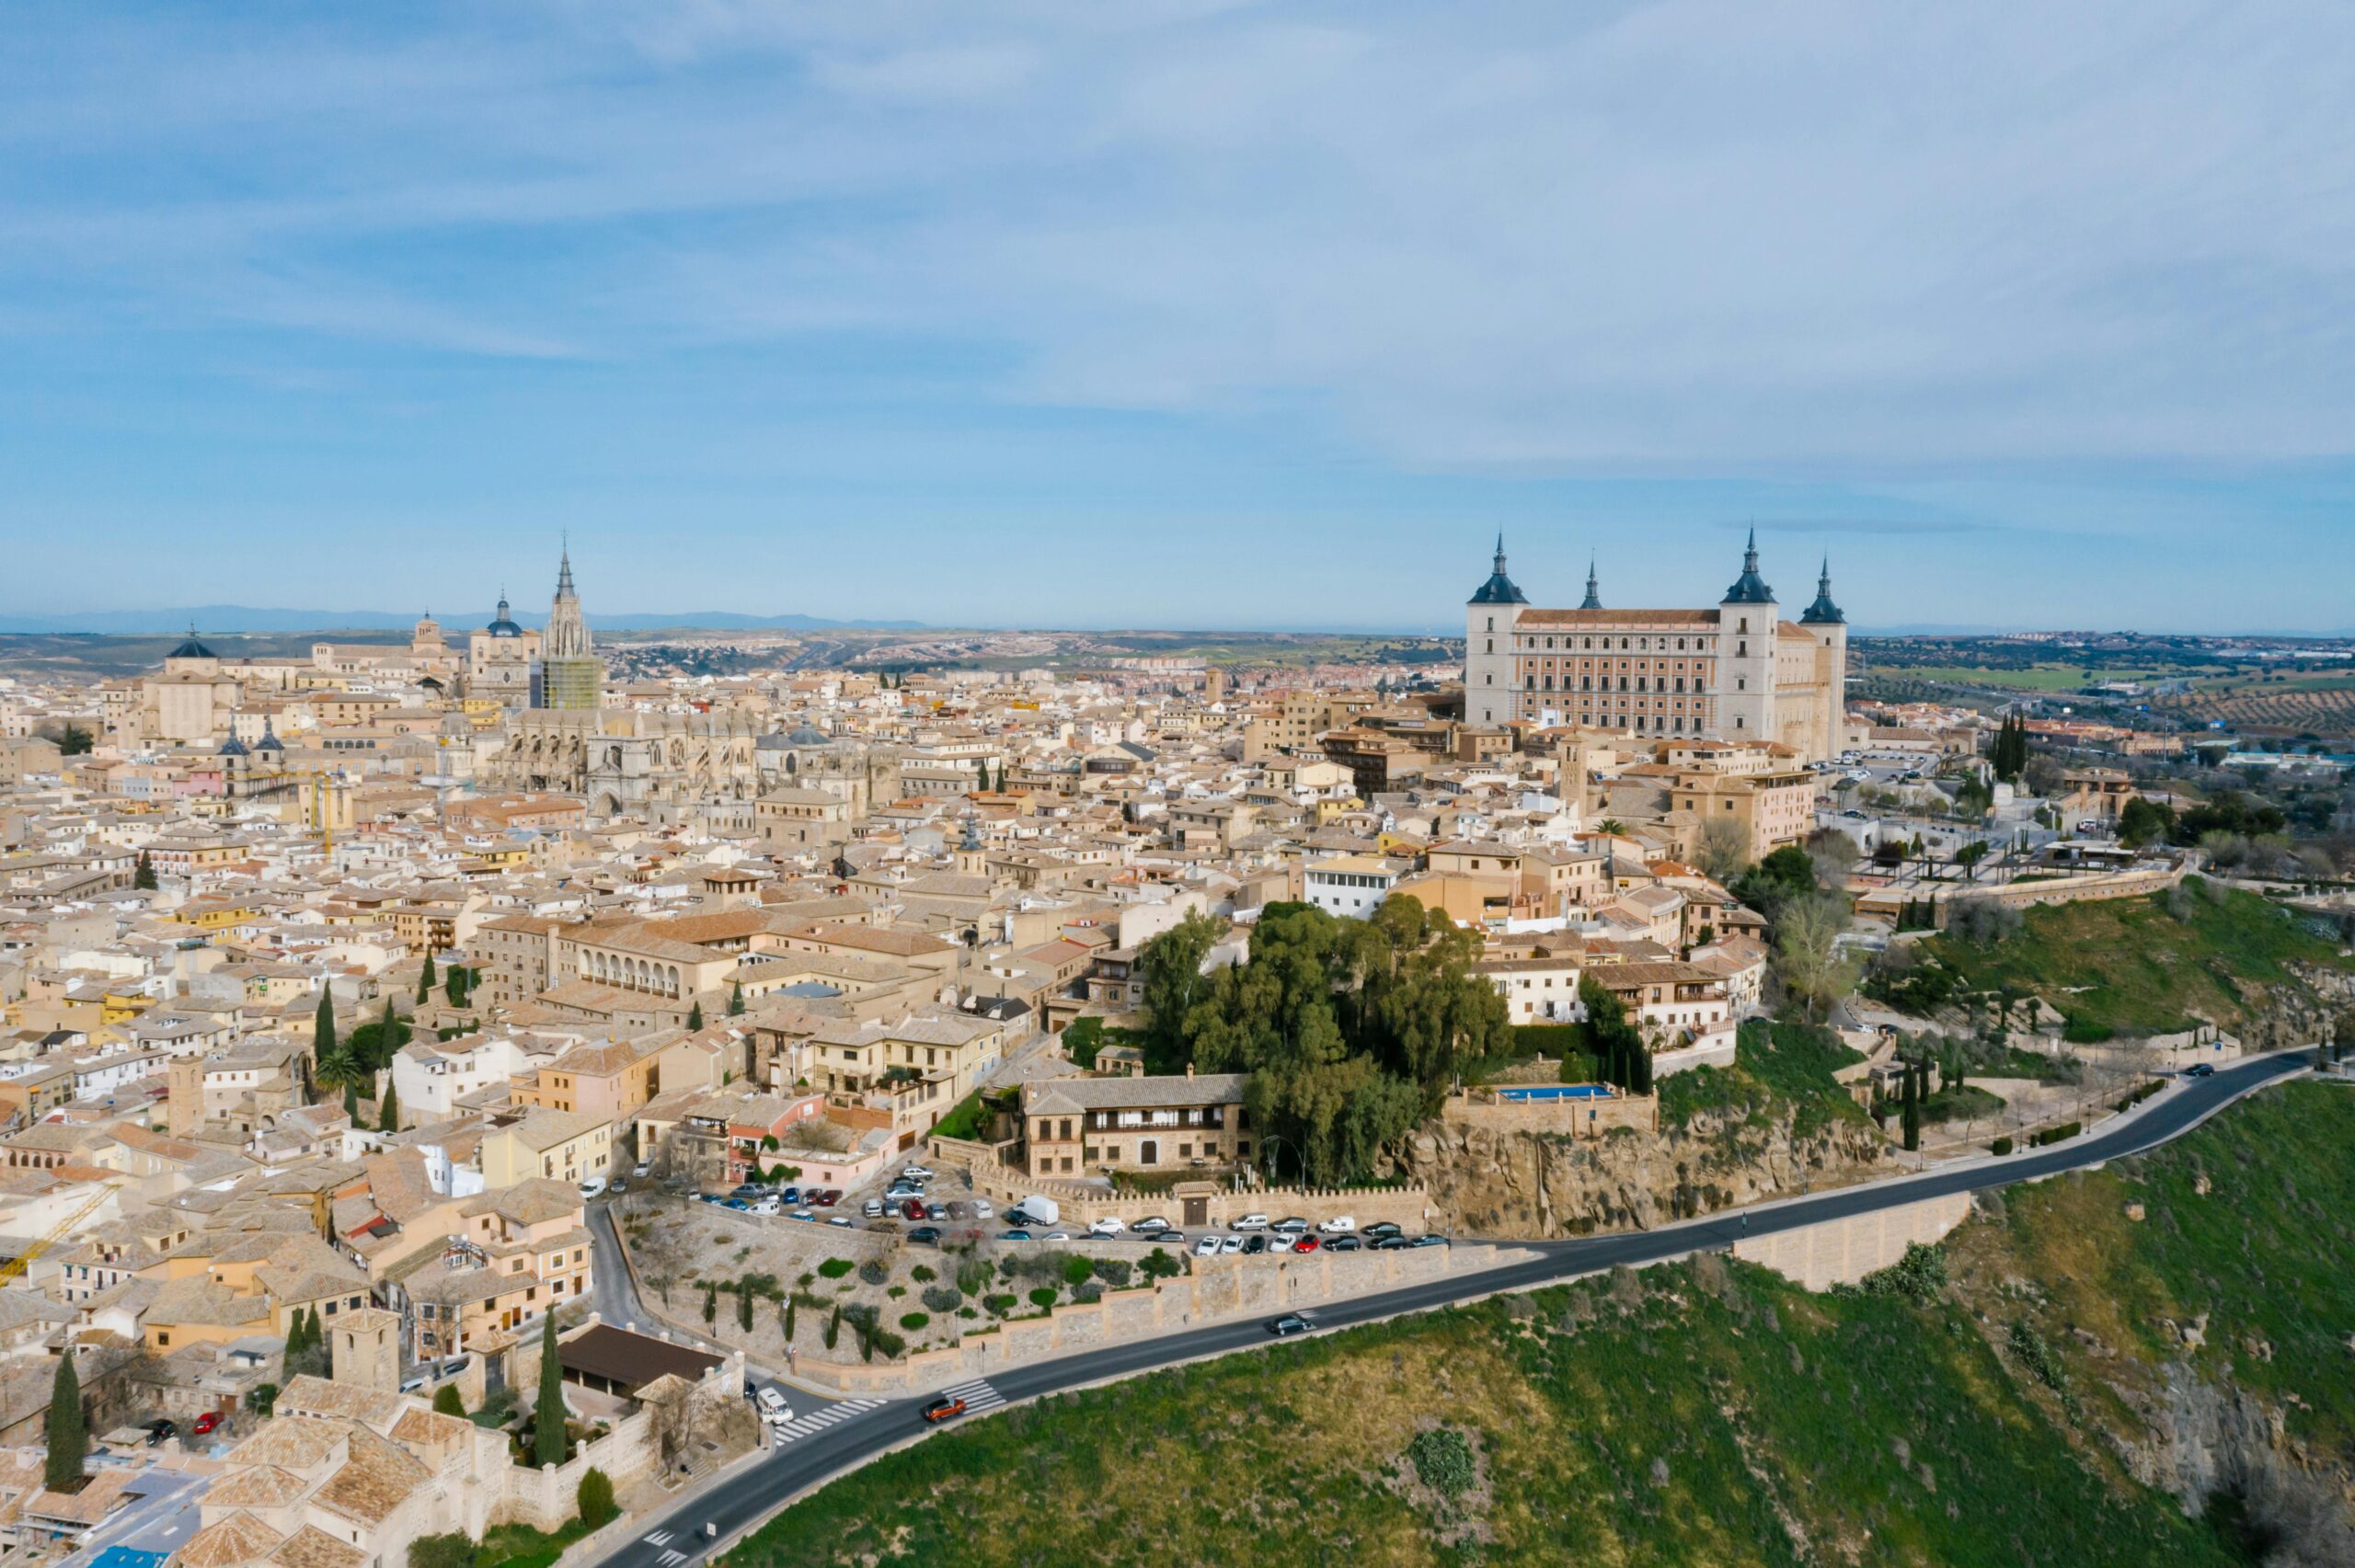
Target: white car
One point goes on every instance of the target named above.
(914, 1173)
(593, 1186)
(1057, 1236)
(1281, 1241)
(873, 1208)
(1250, 1222)
(1208, 1247)
(773, 1405)
(900, 1195)
(643, 1168)
(1229, 1243)
(1339, 1225)
(766, 1206)
(982, 1210)
(1108, 1226)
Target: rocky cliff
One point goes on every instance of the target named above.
(1536, 1184)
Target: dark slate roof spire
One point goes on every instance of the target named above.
(1823, 613)
(1498, 589)
(1593, 600)
(1750, 588)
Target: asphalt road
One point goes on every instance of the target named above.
(748, 1494)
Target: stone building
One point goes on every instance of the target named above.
(1738, 671)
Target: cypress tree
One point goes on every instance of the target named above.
(736, 1000)
(1912, 1109)
(142, 875)
(548, 1415)
(322, 1040)
(389, 1118)
(294, 1338)
(695, 1017)
(425, 979)
(69, 1440)
(352, 1100)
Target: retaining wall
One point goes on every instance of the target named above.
(1842, 1252)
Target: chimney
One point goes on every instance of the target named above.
(1190, 1069)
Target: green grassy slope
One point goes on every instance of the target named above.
(2129, 964)
(1701, 1414)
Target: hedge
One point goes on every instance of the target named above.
(2057, 1134)
(2001, 1146)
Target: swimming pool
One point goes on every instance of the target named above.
(1556, 1091)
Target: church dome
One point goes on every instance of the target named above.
(503, 625)
(233, 747)
(191, 648)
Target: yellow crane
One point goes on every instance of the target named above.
(14, 1266)
(318, 804)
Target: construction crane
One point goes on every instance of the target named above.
(319, 805)
(14, 1266)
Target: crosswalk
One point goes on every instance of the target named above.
(672, 1556)
(978, 1396)
(810, 1426)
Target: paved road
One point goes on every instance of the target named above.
(748, 1494)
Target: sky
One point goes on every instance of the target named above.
(1181, 313)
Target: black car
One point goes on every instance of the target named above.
(2201, 1070)
(1428, 1241)
(1390, 1243)
(1344, 1244)
(159, 1430)
(1289, 1324)
(1375, 1233)
(1255, 1243)
(926, 1234)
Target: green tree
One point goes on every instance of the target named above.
(710, 1303)
(326, 1051)
(262, 1399)
(456, 986)
(2144, 822)
(735, 999)
(352, 1100)
(1174, 982)
(548, 1445)
(744, 1306)
(1912, 1111)
(425, 980)
(1788, 873)
(446, 1401)
(388, 1117)
(142, 874)
(73, 740)
(68, 1438)
(695, 1017)
(594, 1498)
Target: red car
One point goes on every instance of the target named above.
(826, 1200)
(946, 1407)
(207, 1422)
(1305, 1244)
(912, 1209)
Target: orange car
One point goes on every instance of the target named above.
(945, 1408)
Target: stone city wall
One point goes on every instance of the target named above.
(1578, 1118)
(1079, 1204)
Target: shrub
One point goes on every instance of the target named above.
(923, 1274)
(1114, 1272)
(975, 1276)
(1091, 1291)
(446, 1401)
(998, 1306)
(896, 1291)
(2082, 1031)
(1043, 1297)
(834, 1268)
(595, 1497)
(914, 1321)
(2065, 1131)
(942, 1298)
(1442, 1460)
(1917, 1276)
(874, 1271)
(2037, 1356)
(455, 1550)
(1159, 1265)
(2001, 1146)
(1078, 1270)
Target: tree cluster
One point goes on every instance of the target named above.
(1351, 1030)
(1622, 1057)
(2009, 752)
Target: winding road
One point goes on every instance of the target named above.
(743, 1498)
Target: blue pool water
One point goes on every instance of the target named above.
(1556, 1091)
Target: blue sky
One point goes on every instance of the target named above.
(1181, 314)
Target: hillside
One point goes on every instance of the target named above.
(2034, 1410)
(2141, 966)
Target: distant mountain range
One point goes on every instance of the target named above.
(225, 619)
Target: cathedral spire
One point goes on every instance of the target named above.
(1594, 596)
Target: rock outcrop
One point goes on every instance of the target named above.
(1538, 1185)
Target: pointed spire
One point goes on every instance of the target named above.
(1498, 589)
(1593, 597)
(1750, 588)
(1823, 613)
